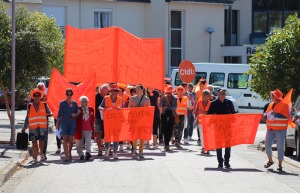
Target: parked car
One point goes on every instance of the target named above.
(228, 96)
(292, 140)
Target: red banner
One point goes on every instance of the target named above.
(128, 124)
(221, 131)
(115, 55)
(57, 91)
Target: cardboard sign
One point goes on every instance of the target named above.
(187, 71)
(57, 91)
(128, 124)
(220, 131)
(115, 56)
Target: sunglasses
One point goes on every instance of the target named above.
(36, 95)
(180, 89)
(69, 94)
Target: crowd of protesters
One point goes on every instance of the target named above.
(177, 112)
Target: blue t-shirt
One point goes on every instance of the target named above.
(65, 111)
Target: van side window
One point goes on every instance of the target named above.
(237, 80)
(217, 79)
(198, 76)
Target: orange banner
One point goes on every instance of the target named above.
(221, 131)
(128, 124)
(115, 55)
(57, 90)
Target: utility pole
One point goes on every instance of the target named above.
(13, 75)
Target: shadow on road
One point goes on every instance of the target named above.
(282, 173)
(233, 169)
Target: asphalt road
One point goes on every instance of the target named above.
(177, 171)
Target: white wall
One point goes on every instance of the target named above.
(197, 17)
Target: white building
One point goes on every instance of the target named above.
(182, 23)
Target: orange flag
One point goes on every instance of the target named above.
(128, 124)
(221, 131)
(288, 100)
(57, 89)
(115, 55)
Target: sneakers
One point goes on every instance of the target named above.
(155, 146)
(87, 155)
(121, 148)
(220, 166)
(115, 156)
(81, 157)
(227, 165)
(34, 161)
(186, 141)
(141, 156)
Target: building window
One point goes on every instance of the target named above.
(176, 33)
(234, 27)
(102, 18)
(268, 15)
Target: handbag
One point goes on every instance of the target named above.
(176, 118)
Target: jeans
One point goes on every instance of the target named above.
(116, 145)
(226, 156)
(87, 135)
(188, 132)
(279, 135)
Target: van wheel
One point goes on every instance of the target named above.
(288, 151)
(298, 147)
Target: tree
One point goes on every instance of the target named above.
(276, 63)
(39, 48)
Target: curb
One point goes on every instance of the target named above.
(13, 166)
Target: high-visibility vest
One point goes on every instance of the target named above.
(202, 109)
(37, 119)
(110, 104)
(278, 123)
(125, 97)
(182, 106)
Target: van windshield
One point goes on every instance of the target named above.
(198, 76)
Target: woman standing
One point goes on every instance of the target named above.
(66, 121)
(169, 105)
(139, 100)
(278, 116)
(84, 128)
(154, 100)
(202, 107)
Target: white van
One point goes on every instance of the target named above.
(230, 76)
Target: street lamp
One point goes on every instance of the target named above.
(210, 30)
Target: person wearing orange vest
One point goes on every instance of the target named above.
(37, 121)
(202, 107)
(112, 101)
(278, 115)
(182, 111)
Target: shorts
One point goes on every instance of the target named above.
(155, 125)
(38, 134)
(99, 125)
(68, 128)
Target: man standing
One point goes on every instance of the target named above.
(36, 120)
(222, 106)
